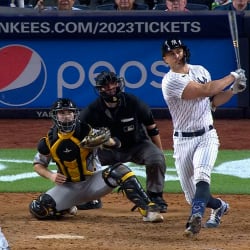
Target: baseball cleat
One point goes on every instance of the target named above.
(95, 204)
(160, 203)
(216, 215)
(158, 199)
(153, 217)
(193, 225)
(73, 210)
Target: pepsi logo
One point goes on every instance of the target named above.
(23, 75)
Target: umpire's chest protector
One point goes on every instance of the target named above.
(125, 123)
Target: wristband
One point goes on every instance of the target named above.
(235, 75)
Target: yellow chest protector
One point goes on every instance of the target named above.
(72, 161)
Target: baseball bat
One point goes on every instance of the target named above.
(234, 35)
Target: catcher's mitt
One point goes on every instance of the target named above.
(96, 138)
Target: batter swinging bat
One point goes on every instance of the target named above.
(234, 35)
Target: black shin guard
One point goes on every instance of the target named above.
(120, 175)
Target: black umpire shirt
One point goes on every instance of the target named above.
(127, 121)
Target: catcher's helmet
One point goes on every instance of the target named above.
(171, 44)
(60, 105)
(105, 78)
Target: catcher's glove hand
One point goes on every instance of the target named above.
(96, 138)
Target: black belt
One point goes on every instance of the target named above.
(195, 133)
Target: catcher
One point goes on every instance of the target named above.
(77, 180)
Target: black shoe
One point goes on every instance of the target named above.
(95, 204)
(159, 201)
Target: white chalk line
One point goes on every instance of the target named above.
(239, 168)
(59, 236)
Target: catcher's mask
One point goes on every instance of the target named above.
(109, 86)
(171, 44)
(64, 114)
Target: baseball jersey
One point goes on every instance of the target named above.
(187, 115)
(126, 122)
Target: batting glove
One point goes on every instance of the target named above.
(239, 74)
(238, 86)
(240, 71)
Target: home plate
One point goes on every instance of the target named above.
(59, 236)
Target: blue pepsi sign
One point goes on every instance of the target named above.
(23, 75)
(35, 73)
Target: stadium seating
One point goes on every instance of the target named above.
(140, 6)
(82, 6)
(189, 6)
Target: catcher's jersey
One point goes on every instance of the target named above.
(72, 161)
(187, 115)
(126, 122)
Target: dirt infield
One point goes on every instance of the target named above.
(114, 226)
(16, 133)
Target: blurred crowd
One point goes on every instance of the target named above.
(162, 5)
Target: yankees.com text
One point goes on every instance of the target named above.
(97, 27)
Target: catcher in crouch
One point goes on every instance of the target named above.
(77, 180)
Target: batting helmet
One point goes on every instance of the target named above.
(104, 79)
(62, 104)
(171, 44)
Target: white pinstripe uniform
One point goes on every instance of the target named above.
(194, 156)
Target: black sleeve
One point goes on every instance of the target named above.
(84, 129)
(42, 147)
(90, 115)
(84, 116)
(144, 112)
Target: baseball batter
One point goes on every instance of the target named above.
(190, 95)
(72, 148)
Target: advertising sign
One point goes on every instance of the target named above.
(35, 73)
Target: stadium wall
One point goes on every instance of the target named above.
(48, 55)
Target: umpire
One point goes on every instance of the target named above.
(131, 121)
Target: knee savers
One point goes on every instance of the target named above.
(43, 207)
(116, 174)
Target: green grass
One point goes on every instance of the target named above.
(221, 183)
(224, 184)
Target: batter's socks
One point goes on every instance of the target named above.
(198, 207)
(201, 197)
(213, 203)
(202, 192)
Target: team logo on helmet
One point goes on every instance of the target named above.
(23, 75)
(172, 44)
